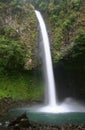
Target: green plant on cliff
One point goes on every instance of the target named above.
(20, 85)
(79, 47)
(18, 27)
(80, 37)
(40, 4)
(12, 50)
(12, 53)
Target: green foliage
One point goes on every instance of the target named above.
(17, 43)
(41, 5)
(80, 37)
(12, 53)
(15, 4)
(65, 18)
(76, 4)
(14, 1)
(10, 32)
(78, 49)
(22, 85)
(17, 34)
(5, 1)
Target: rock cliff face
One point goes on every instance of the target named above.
(18, 24)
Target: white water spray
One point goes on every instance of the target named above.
(50, 84)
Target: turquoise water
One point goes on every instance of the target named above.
(50, 118)
(75, 118)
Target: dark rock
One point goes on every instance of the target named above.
(16, 127)
(20, 122)
(6, 124)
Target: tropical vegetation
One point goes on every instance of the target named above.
(65, 20)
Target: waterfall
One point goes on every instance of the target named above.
(47, 61)
(69, 105)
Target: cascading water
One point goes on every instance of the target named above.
(51, 106)
(50, 84)
(50, 95)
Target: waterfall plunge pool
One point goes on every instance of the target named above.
(43, 115)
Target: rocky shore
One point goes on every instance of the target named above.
(23, 123)
(50, 127)
(8, 103)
